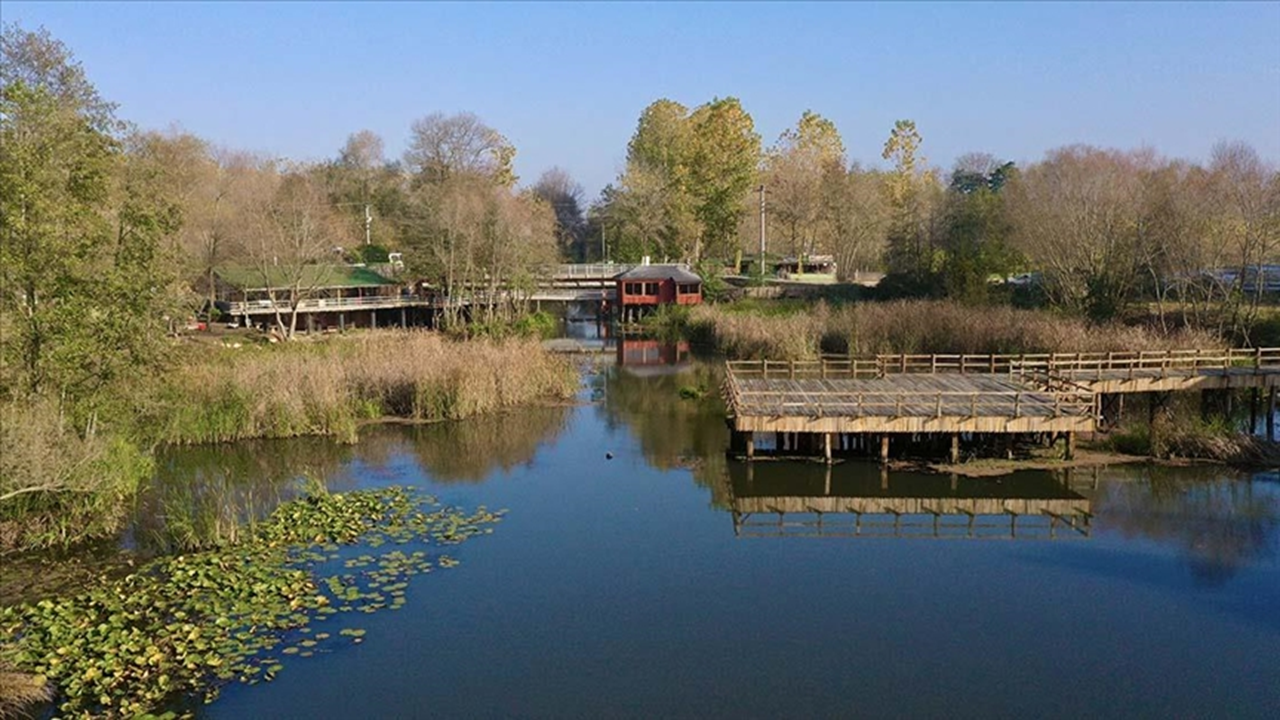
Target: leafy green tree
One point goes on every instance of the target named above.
(723, 168)
(975, 228)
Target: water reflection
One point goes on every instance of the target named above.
(770, 499)
(472, 451)
(209, 494)
(1219, 519)
(675, 415)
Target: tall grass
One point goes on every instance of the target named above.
(329, 387)
(921, 326)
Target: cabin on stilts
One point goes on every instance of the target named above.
(643, 289)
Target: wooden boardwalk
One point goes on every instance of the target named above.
(965, 394)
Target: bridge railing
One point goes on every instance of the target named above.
(586, 270)
(352, 303)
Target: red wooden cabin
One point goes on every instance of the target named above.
(644, 288)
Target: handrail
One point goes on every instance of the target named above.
(951, 403)
(1067, 366)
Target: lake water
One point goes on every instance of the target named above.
(630, 587)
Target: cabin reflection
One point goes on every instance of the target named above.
(640, 354)
(783, 500)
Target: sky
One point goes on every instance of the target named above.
(566, 82)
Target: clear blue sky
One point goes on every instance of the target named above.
(566, 82)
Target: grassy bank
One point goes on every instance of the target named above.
(330, 387)
(791, 331)
(63, 481)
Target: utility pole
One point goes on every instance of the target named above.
(368, 222)
(761, 232)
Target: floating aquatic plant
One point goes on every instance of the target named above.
(186, 625)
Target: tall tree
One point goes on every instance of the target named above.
(559, 190)
(723, 168)
(58, 158)
(796, 168)
(910, 187)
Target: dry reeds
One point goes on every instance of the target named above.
(923, 326)
(20, 691)
(327, 388)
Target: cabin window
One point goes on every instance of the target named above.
(631, 288)
(651, 288)
(687, 289)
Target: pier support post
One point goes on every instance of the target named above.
(1070, 452)
(751, 446)
(403, 321)
(826, 447)
(342, 322)
(1254, 398)
(884, 449)
(373, 319)
(955, 448)
(1271, 414)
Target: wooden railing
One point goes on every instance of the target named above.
(349, 303)
(1085, 365)
(1063, 366)
(844, 367)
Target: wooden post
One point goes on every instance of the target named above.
(373, 319)
(1070, 453)
(751, 446)
(403, 323)
(884, 449)
(955, 448)
(1254, 398)
(1271, 414)
(826, 447)
(342, 322)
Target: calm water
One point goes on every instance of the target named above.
(631, 588)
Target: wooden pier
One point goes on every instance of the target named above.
(836, 402)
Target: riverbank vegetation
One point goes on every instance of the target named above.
(183, 626)
(799, 332)
(330, 387)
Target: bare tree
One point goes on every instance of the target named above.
(442, 146)
(1077, 215)
(296, 232)
(857, 217)
(565, 196)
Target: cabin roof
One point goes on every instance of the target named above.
(312, 276)
(679, 273)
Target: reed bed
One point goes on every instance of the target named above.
(922, 326)
(330, 387)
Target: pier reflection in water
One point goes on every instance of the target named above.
(861, 500)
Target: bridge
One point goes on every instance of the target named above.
(843, 402)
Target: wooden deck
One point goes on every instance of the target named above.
(903, 404)
(961, 394)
